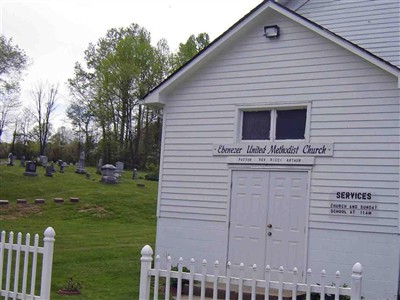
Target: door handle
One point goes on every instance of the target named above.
(269, 225)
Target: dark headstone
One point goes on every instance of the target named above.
(58, 200)
(39, 201)
(134, 174)
(21, 201)
(3, 202)
(30, 169)
(49, 171)
(60, 164)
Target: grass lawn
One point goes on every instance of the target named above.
(98, 240)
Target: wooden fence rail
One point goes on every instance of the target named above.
(240, 283)
(19, 263)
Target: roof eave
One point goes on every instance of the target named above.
(155, 95)
(202, 55)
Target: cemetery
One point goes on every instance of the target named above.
(113, 221)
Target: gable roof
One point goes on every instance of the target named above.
(155, 96)
(373, 25)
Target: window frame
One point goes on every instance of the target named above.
(273, 108)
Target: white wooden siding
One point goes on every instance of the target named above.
(354, 105)
(373, 25)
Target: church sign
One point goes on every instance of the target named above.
(274, 149)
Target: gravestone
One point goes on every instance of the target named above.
(60, 164)
(10, 159)
(30, 169)
(134, 174)
(80, 169)
(43, 160)
(99, 165)
(119, 167)
(3, 202)
(52, 167)
(22, 163)
(22, 202)
(49, 171)
(58, 200)
(108, 174)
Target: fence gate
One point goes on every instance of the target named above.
(19, 264)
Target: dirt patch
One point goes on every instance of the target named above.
(14, 211)
(95, 211)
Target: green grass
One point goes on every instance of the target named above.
(98, 240)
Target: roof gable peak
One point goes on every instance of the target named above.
(155, 97)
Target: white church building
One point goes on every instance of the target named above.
(280, 143)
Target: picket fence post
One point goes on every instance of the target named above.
(48, 246)
(356, 279)
(145, 266)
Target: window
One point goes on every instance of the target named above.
(291, 124)
(276, 124)
(256, 125)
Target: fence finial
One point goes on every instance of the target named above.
(48, 245)
(356, 279)
(49, 232)
(357, 268)
(146, 260)
(146, 252)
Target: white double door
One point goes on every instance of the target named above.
(268, 221)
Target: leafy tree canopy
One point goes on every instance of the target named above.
(188, 50)
(13, 61)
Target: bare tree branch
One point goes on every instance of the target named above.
(45, 97)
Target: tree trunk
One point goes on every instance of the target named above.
(138, 136)
(146, 139)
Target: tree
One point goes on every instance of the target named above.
(59, 144)
(23, 136)
(188, 50)
(121, 68)
(13, 61)
(80, 110)
(44, 97)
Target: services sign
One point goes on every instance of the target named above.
(351, 202)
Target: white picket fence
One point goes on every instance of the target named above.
(19, 263)
(240, 284)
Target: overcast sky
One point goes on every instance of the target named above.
(55, 33)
